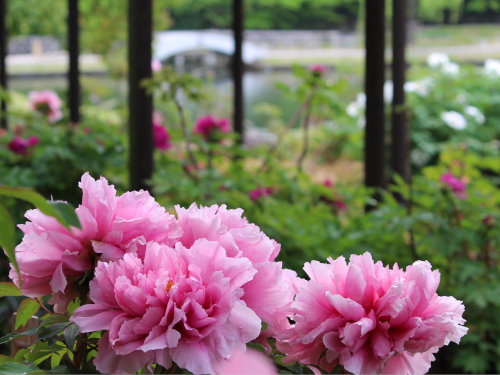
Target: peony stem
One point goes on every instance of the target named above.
(43, 306)
(185, 132)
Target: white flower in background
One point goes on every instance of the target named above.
(361, 98)
(421, 87)
(437, 59)
(357, 107)
(461, 98)
(476, 113)
(388, 91)
(454, 120)
(354, 109)
(451, 69)
(492, 67)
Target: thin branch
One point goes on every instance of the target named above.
(187, 138)
(305, 146)
(289, 125)
(43, 306)
(409, 210)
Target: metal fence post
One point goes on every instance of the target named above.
(140, 29)
(74, 53)
(400, 132)
(374, 89)
(238, 68)
(3, 67)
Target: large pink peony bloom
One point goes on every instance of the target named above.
(50, 255)
(181, 305)
(269, 291)
(46, 102)
(370, 318)
(250, 362)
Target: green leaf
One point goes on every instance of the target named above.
(53, 330)
(70, 334)
(59, 369)
(4, 358)
(9, 289)
(67, 212)
(20, 355)
(38, 201)
(38, 357)
(73, 305)
(27, 308)
(53, 319)
(8, 235)
(8, 368)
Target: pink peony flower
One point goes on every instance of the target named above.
(52, 257)
(46, 102)
(269, 291)
(370, 318)
(317, 70)
(155, 65)
(246, 363)
(161, 136)
(210, 127)
(21, 146)
(260, 192)
(181, 305)
(457, 186)
(340, 205)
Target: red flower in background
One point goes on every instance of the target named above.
(161, 137)
(338, 204)
(261, 192)
(209, 126)
(21, 146)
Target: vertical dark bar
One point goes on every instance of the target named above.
(140, 29)
(74, 52)
(238, 67)
(3, 67)
(400, 133)
(374, 89)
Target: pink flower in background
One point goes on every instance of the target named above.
(456, 185)
(50, 255)
(340, 205)
(155, 65)
(161, 136)
(260, 192)
(369, 318)
(181, 305)
(250, 362)
(46, 102)
(21, 146)
(269, 290)
(209, 126)
(318, 70)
